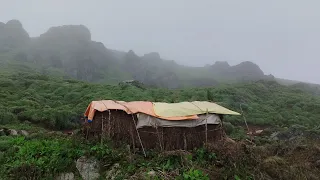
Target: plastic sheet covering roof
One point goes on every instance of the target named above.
(190, 108)
(167, 111)
(130, 108)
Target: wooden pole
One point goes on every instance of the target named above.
(109, 128)
(135, 125)
(159, 139)
(245, 121)
(207, 128)
(223, 134)
(185, 140)
(102, 119)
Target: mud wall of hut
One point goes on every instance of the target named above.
(120, 127)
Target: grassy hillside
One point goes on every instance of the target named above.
(55, 103)
(37, 94)
(59, 103)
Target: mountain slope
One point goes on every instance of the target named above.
(58, 103)
(69, 50)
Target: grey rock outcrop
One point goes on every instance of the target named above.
(88, 168)
(13, 132)
(23, 132)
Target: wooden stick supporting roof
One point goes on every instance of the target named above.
(144, 152)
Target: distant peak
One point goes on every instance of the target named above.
(225, 63)
(248, 64)
(248, 67)
(13, 34)
(152, 55)
(131, 52)
(69, 31)
(221, 65)
(14, 23)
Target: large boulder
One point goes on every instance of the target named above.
(88, 168)
(13, 132)
(23, 133)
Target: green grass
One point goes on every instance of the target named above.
(58, 103)
(45, 156)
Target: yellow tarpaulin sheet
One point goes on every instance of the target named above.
(189, 108)
(132, 107)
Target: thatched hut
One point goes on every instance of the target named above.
(159, 126)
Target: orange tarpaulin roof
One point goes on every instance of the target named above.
(133, 107)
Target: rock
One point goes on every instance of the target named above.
(88, 168)
(13, 132)
(151, 173)
(65, 176)
(274, 136)
(229, 140)
(113, 172)
(23, 133)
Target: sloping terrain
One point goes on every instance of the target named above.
(40, 94)
(58, 103)
(70, 50)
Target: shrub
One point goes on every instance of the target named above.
(194, 174)
(7, 117)
(40, 158)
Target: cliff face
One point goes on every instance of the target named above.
(69, 49)
(245, 71)
(12, 36)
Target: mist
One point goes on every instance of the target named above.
(282, 37)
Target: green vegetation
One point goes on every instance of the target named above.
(44, 156)
(59, 104)
(36, 95)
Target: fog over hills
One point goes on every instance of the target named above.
(69, 49)
(279, 36)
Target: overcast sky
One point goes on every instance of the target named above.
(281, 36)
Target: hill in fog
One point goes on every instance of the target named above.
(70, 51)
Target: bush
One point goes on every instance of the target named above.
(229, 128)
(7, 117)
(40, 158)
(57, 103)
(194, 174)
